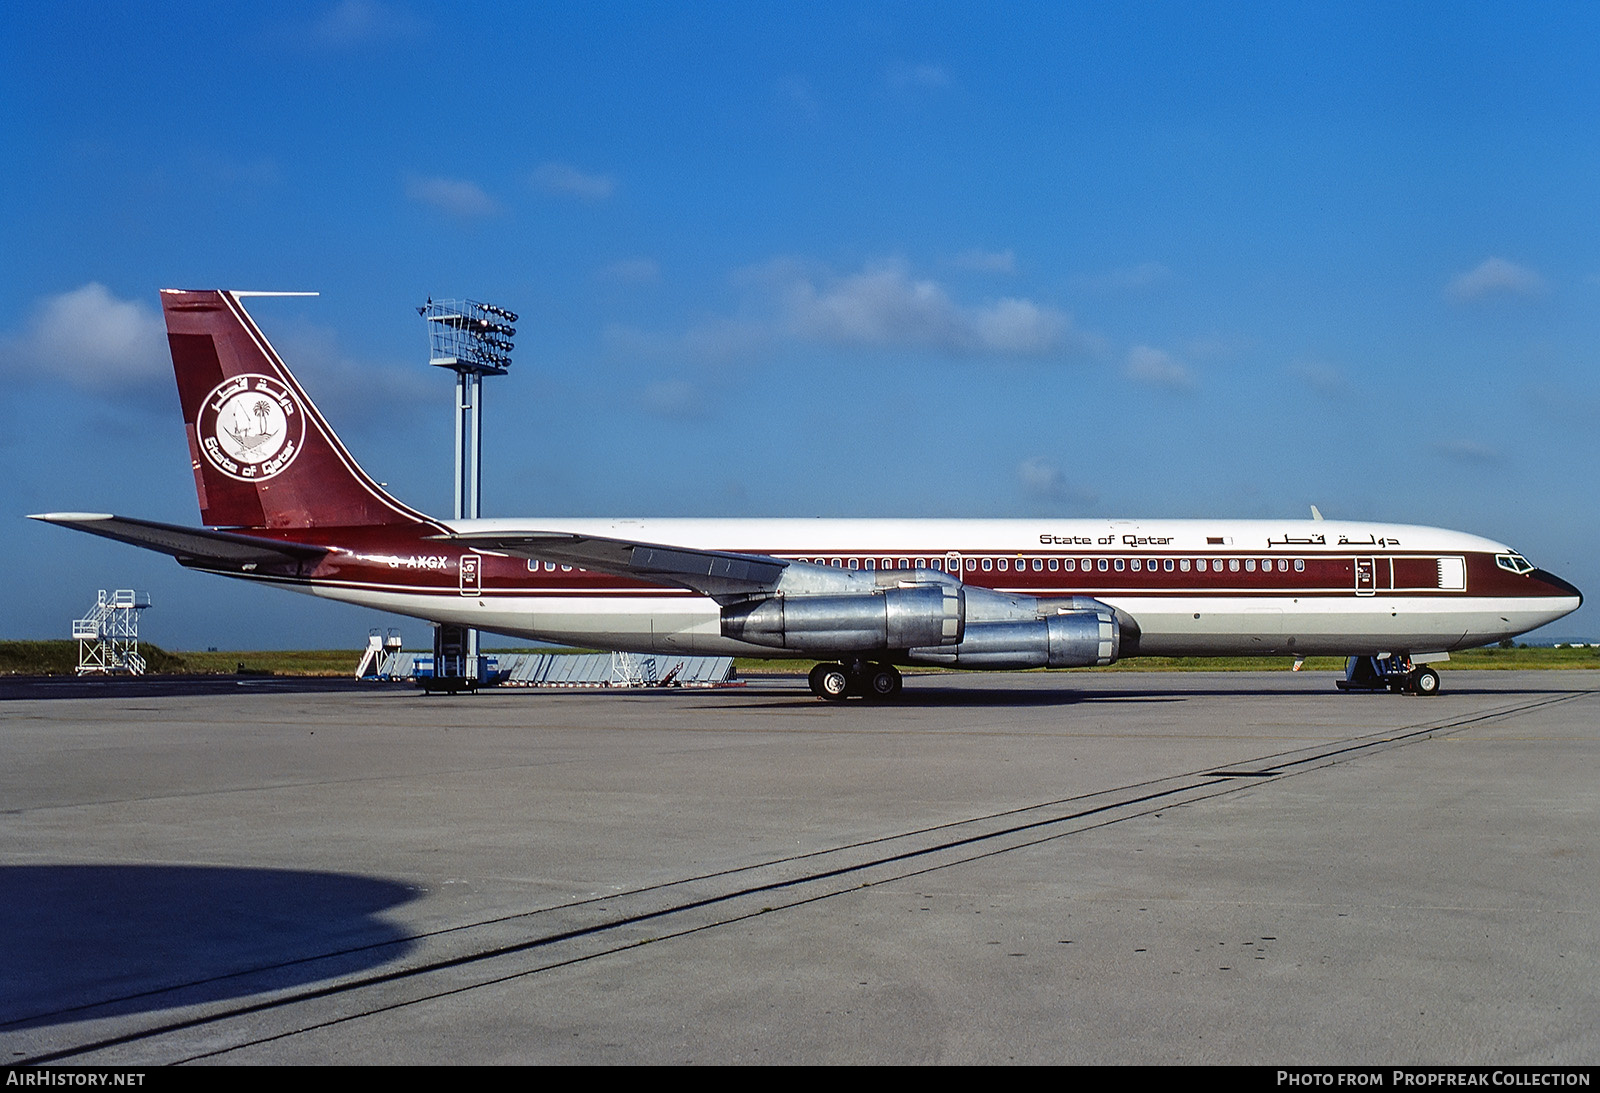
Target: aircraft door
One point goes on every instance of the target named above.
(471, 574)
(1366, 576)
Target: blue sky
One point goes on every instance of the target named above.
(1139, 260)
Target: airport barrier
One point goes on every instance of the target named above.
(582, 669)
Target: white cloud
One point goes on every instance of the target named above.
(885, 306)
(565, 179)
(455, 196)
(1158, 368)
(1495, 277)
(1043, 481)
(881, 307)
(1020, 328)
(90, 339)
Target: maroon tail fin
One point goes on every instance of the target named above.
(263, 456)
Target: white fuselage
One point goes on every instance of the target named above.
(1190, 587)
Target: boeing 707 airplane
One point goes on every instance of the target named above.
(284, 503)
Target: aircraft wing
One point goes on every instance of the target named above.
(190, 546)
(711, 572)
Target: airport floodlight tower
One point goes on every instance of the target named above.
(473, 340)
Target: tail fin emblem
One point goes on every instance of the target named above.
(250, 427)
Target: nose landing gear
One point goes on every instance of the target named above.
(1394, 673)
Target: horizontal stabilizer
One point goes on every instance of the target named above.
(712, 572)
(189, 545)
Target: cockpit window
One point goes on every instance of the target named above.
(1516, 563)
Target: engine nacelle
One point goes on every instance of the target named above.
(892, 618)
(1078, 638)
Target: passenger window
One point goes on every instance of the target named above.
(869, 564)
(1003, 564)
(1136, 564)
(1103, 565)
(549, 567)
(1233, 565)
(1249, 565)
(1299, 565)
(855, 563)
(1283, 565)
(1183, 565)
(972, 565)
(988, 564)
(1200, 565)
(1038, 564)
(1167, 565)
(1069, 564)
(1055, 563)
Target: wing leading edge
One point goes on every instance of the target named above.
(714, 573)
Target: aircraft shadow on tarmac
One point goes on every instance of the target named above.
(89, 941)
(926, 695)
(966, 698)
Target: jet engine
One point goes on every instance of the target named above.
(918, 617)
(889, 618)
(1072, 638)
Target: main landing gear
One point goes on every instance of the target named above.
(1393, 673)
(837, 682)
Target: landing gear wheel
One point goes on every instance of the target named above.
(829, 682)
(1425, 682)
(815, 679)
(882, 681)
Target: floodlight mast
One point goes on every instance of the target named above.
(473, 340)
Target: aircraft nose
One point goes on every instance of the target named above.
(1558, 586)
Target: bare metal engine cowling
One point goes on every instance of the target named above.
(1071, 638)
(930, 619)
(890, 618)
